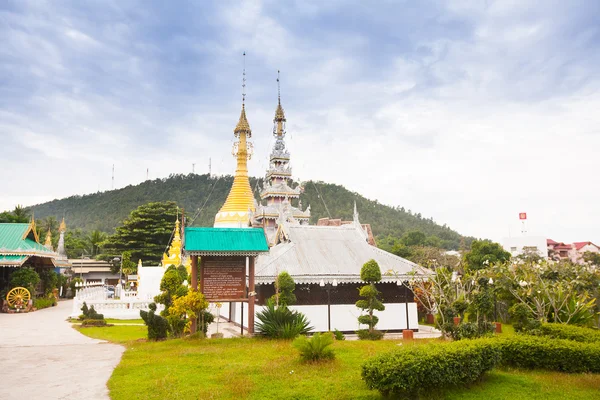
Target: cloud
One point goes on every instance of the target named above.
(467, 112)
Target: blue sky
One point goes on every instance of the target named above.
(466, 111)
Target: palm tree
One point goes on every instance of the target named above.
(96, 239)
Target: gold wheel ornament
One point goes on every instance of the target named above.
(18, 297)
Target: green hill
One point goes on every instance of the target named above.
(105, 210)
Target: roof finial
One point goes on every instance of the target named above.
(278, 89)
(244, 82)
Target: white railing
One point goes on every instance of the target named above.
(94, 294)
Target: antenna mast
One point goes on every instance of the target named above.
(209, 167)
(112, 187)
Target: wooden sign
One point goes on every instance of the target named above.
(224, 279)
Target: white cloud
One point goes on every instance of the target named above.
(471, 125)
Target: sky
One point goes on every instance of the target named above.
(468, 112)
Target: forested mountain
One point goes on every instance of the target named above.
(106, 210)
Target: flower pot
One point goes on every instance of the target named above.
(407, 334)
(430, 318)
(498, 327)
(456, 320)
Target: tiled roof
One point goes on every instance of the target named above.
(580, 245)
(328, 252)
(15, 238)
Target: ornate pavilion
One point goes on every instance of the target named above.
(20, 247)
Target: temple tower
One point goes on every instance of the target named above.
(277, 192)
(239, 205)
(60, 248)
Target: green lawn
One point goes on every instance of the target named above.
(116, 334)
(246, 368)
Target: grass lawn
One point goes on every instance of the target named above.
(115, 334)
(262, 369)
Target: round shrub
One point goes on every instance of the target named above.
(25, 277)
(370, 272)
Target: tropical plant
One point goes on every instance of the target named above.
(281, 322)
(369, 273)
(484, 253)
(316, 348)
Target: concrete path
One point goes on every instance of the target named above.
(42, 357)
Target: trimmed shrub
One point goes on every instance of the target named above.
(315, 348)
(522, 318)
(365, 334)
(281, 322)
(93, 322)
(570, 332)
(533, 352)
(90, 313)
(157, 325)
(410, 370)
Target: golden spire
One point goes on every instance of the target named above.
(174, 254)
(240, 200)
(63, 227)
(48, 239)
(279, 120)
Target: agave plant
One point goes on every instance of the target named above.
(281, 322)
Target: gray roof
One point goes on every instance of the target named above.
(328, 253)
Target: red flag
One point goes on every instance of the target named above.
(522, 215)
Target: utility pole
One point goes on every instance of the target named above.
(193, 168)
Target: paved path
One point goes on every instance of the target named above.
(42, 357)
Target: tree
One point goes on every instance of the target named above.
(413, 238)
(483, 254)
(18, 215)
(370, 273)
(96, 239)
(146, 232)
(592, 258)
(284, 290)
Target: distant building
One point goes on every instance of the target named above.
(573, 252)
(520, 245)
(93, 271)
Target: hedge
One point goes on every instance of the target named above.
(93, 322)
(534, 352)
(570, 332)
(407, 371)
(43, 302)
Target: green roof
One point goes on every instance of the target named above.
(12, 241)
(226, 240)
(12, 260)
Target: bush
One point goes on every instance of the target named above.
(470, 330)
(365, 334)
(25, 277)
(44, 302)
(281, 322)
(93, 322)
(410, 370)
(522, 318)
(157, 325)
(570, 332)
(315, 348)
(338, 335)
(534, 352)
